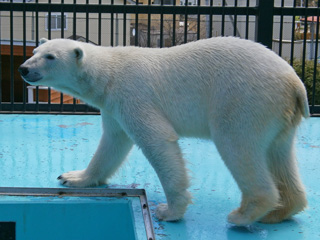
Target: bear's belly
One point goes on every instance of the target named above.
(190, 123)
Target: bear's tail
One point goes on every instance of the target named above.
(301, 107)
(303, 103)
(300, 104)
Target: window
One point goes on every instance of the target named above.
(189, 2)
(165, 2)
(56, 22)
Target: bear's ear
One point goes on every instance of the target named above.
(43, 40)
(78, 53)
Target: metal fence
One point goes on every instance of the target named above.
(289, 27)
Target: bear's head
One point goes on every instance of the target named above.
(55, 63)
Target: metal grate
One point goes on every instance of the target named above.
(75, 192)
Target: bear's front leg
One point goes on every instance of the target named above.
(158, 141)
(154, 134)
(166, 158)
(113, 148)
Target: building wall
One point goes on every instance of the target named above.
(84, 28)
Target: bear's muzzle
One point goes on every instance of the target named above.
(29, 76)
(24, 71)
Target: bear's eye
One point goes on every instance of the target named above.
(50, 57)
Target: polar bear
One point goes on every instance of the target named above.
(237, 93)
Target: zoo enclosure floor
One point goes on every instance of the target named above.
(36, 149)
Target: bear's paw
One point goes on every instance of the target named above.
(239, 219)
(77, 179)
(163, 213)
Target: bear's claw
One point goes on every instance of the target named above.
(78, 179)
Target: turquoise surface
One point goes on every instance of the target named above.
(71, 218)
(36, 149)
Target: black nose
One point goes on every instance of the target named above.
(23, 71)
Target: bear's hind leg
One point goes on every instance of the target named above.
(247, 162)
(283, 166)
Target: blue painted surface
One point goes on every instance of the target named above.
(60, 218)
(35, 149)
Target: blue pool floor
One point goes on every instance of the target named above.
(36, 149)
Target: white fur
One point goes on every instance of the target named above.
(235, 92)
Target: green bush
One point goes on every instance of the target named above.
(308, 79)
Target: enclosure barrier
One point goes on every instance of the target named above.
(288, 27)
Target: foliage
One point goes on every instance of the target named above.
(308, 78)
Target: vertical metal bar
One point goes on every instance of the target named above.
(49, 37)
(87, 22)
(210, 19)
(264, 28)
(62, 36)
(117, 30)
(264, 25)
(149, 26)
(112, 25)
(0, 66)
(222, 17)
(293, 33)
(37, 43)
(186, 23)
(24, 33)
(49, 21)
(174, 19)
(315, 63)
(124, 24)
(99, 25)
(87, 35)
(11, 60)
(247, 20)
(281, 29)
(136, 39)
(161, 25)
(235, 20)
(74, 33)
(304, 41)
(62, 19)
(74, 23)
(198, 20)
